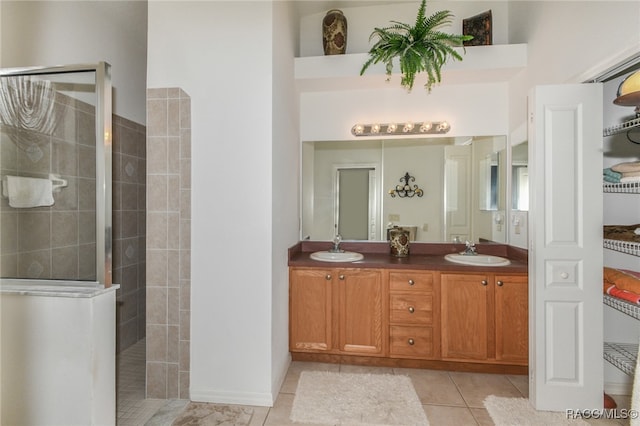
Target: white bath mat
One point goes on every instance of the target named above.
(357, 399)
(517, 411)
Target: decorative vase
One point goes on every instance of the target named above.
(334, 33)
(399, 242)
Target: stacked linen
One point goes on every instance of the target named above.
(622, 283)
(627, 172)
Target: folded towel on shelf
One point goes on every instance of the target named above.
(624, 295)
(610, 174)
(622, 232)
(26, 192)
(623, 279)
(630, 179)
(630, 166)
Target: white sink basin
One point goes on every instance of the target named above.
(345, 256)
(477, 260)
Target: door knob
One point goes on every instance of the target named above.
(327, 277)
(411, 342)
(499, 283)
(484, 282)
(411, 309)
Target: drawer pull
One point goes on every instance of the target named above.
(499, 283)
(484, 282)
(411, 342)
(411, 282)
(327, 277)
(411, 309)
(341, 277)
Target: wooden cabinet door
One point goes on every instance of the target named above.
(310, 310)
(465, 306)
(512, 318)
(360, 304)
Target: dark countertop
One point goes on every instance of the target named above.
(427, 256)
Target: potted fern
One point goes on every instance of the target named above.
(421, 47)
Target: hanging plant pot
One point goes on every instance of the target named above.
(334, 33)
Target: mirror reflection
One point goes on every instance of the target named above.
(347, 189)
(520, 177)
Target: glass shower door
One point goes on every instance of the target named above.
(55, 169)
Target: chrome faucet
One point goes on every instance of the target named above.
(336, 244)
(470, 249)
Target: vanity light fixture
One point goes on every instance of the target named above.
(408, 128)
(406, 190)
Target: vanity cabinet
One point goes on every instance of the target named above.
(337, 311)
(414, 314)
(484, 317)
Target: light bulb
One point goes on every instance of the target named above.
(357, 129)
(426, 126)
(391, 128)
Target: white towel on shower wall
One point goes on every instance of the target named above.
(24, 192)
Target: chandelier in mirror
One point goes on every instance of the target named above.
(27, 107)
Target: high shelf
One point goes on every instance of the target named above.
(622, 355)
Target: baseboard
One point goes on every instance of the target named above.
(229, 397)
(618, 388)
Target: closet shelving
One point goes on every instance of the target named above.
(622, 355)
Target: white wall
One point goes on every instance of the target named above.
(285, 178)
(240, 201)
(362, 20)
(48, 33)
(470, 109)
(565, 50)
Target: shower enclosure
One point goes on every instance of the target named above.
(55, 165)
(57, 322)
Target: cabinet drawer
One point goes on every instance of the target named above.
(411, 281)
(411, 308)
(411, 342)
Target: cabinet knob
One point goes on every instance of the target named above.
(411, 342)
(411, 282)
(411, 309)
(484, 282)
(499, 283)
(327, 277)
(341, 277)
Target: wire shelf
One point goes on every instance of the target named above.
(622, 188)
(619, 128)
(623, 306)
(622, 355)
(622, 246)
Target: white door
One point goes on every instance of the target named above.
(565, 250)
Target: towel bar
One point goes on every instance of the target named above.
(57, 182)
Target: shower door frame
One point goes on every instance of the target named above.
(104, 102)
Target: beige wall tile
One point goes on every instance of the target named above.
(157, 230)
(157, 155)
(156, 343)
(157, 306)
(156, 268)
(157, 193)
(173, 381)
(156, 380)
(157, 117)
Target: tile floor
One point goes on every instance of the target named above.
(448, 398)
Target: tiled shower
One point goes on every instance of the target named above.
(59, 242)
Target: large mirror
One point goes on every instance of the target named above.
(456, 189)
